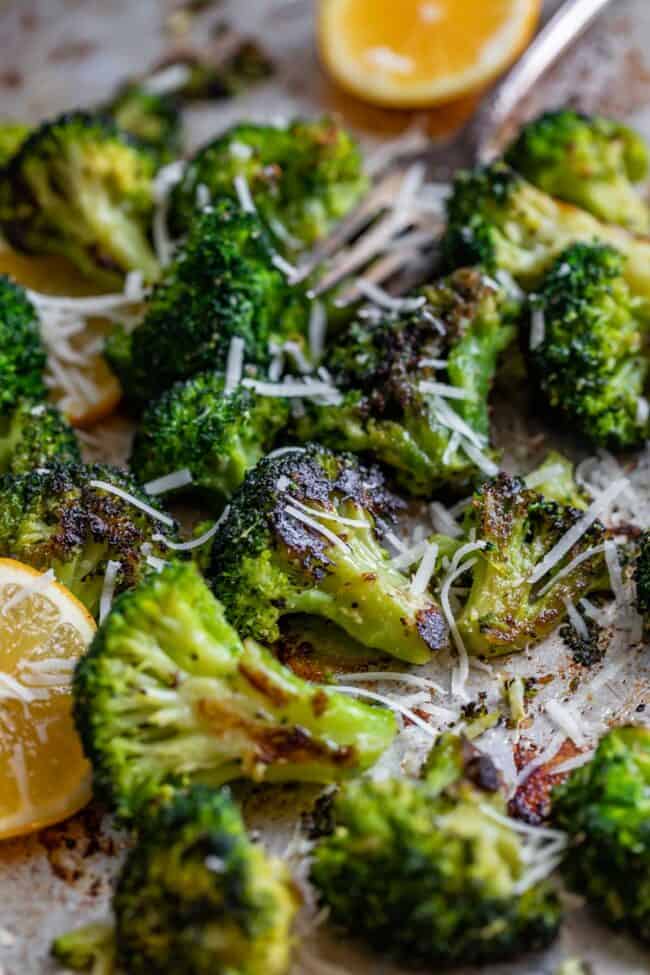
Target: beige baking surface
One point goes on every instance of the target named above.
(56, 54)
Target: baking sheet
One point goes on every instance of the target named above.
(58, 53)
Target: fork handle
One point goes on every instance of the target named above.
(485, 132)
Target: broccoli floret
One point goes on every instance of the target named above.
(605, 808)
(555, 480)
(390, 410)
(590, 363)
(302, 536)
(587, 160)
(168, 695)
(196, 896)
(57, 518)
(12, 136)
(22, 354)
(222, 77)
(216, 435)
(426, 875)
(80, 187)
(87, 949)
(505, 610)
(642, 579)
(302, 178)
(221, 284)
(154, 119)
(498, 219)
(35, 435)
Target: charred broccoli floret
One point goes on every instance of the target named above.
(168, 695)
(216, 435)
(554, 479)
(591, 161)
(22, 354)
(302, 178)
(392, 408)
(430, 873)
(80, 187)
(221, 284)
(63, 518)
(590, 363)
(302, 535)
(605, 808)
(507, 608)
(34, 435)
(154, 119)
(498, 219)
(642, 578)
(87, 949)
(12, 136)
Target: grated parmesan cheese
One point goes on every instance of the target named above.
(390, 703)
(443, 522)
(566, 719)
(426, 568)
(317, 330)
(234, 364)
(121, 493)
(169, 482)
(108, 589)
(321, 529)
(537, 328)
(576, 619)
(390, 675)
(242, 189)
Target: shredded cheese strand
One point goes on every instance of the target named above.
(120, 493)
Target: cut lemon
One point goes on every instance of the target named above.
(82, 384)
(414, 53)
(44, 776)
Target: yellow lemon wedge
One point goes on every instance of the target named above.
(44, 776)
(417, 53)
(85, 390)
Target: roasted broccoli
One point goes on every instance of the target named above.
(508, 608)
(210, 77)
(221, 284)
(87, 949)
(642, 578)
(302, 178)
(498, 219)
(168, 695)
(302, 535)
(34, 435)
(587, 160)
(604, 806)
(430, 873)
(22, 354)
(63, 518)
(590, 363)
(155, 120)
(395, 373)
(80, 187)
(554, 479)
(12, 136)
(216, 435)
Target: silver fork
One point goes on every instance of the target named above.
(479, 141)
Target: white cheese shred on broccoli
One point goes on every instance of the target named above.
(108, 589)
(38, 586)
(413, 680)
(443, 521)
(482, 461)
(390, 703)
(234, 364)
(289, 270)
(324, 515)
(445, 390)
(317, 330)
(378, 296)
(567, 720)
(244, 195)
(317, 527)
(575, 533)
(302, 390)
(576, 620)
(169, 482)
(425, 569)
(168, 80)
(449, 418)
(166, 179)
(573, 564)
(408, 556)
(155, 563)
(537, 328)
(126, 496)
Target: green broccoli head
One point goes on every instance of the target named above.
(426, 874)
(221, 284)
(385, 368)
(587, 160)
(87, 949)
(168, 695)
(498, 219)
(642, 578)
(302, 535)
(80, 187)
(196, 896)
(216, 435)
(605, 808)
(34, 435)
(63, 518)
(154, 119)
(22, 354)
(12, 136)
(507, 608)
(590, 363)
(554, 479)
(302, 177)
